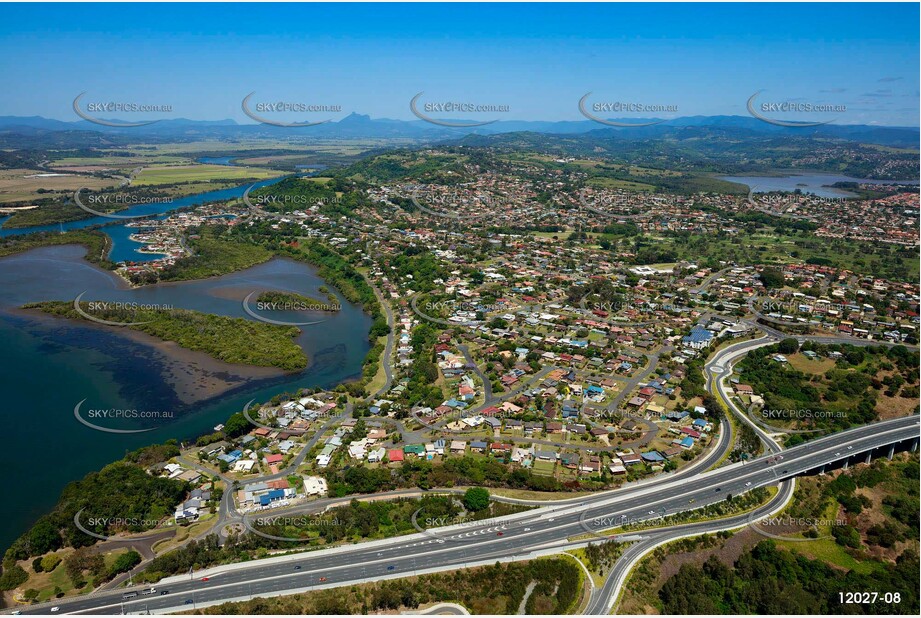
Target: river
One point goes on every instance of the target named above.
(123, 248)
(808, 182)
(50, 364)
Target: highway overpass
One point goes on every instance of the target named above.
(524, 535)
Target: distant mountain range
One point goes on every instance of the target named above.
(356, 126)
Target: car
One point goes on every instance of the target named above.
(187, 602)
(784, 471)
(552, 519)
(652, 512)
(499, 534)
(691, 501)
(838, 454)
(391, 567)
(322, 579)
(17, 613)
(55, 609)
(162, 592)
(748, 484)
(717, 489)
(297, 567)
(850, 447)
(527, 529)
(204, 579)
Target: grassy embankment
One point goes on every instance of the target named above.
(546, 586)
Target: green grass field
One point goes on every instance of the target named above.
(196, 173)
(613, 183)
(543, 467)
(119, 162)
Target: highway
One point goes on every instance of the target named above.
(548, 529)
(603, 598)
(523, 535)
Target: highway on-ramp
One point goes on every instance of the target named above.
(510, 538)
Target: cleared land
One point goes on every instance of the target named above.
(19, 185)
(198, 173)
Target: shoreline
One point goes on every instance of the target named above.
(193, 376)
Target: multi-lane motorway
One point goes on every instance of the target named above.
(549, 529)
(522, 535)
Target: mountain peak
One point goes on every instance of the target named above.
(355, 118)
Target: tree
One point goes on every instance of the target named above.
(126, 562)
(236, 425)
(846, 535)
(772, 278)
(476, 499)
(12, 577)
(788, 346)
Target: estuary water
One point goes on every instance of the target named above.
(807, 182)
(52, 364)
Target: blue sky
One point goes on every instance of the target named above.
(538, 59)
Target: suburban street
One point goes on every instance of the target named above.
(523, 535)
(549, 528)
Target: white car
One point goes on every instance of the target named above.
(748, 484)
(55, 609)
